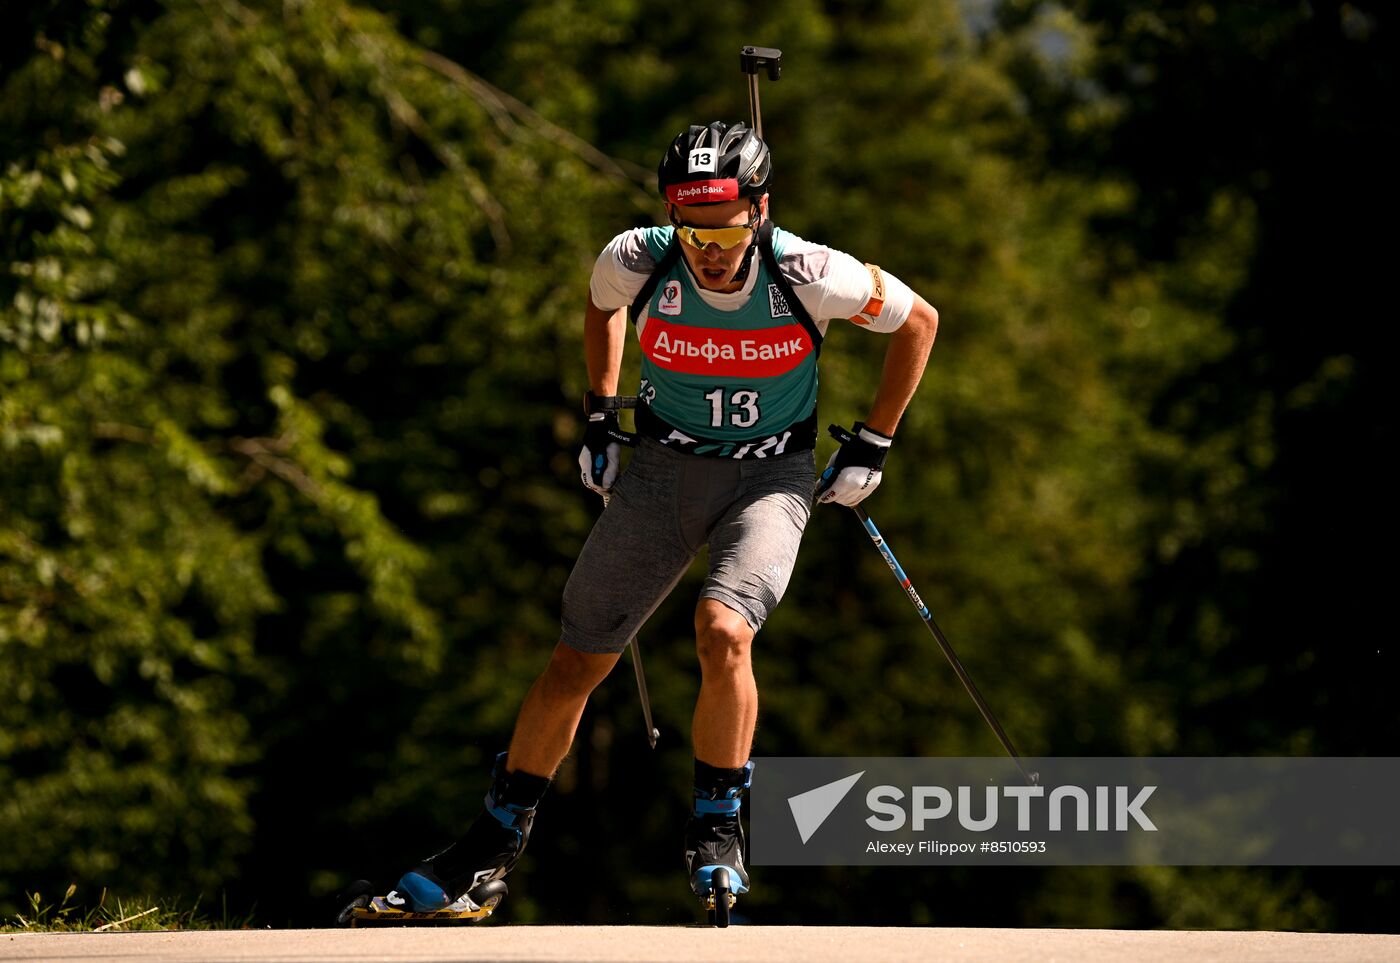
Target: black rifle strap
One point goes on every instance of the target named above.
(663, 267)
(770, 260)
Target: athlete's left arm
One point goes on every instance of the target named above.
(905, 359)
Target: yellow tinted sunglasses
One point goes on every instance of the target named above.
(725, 237)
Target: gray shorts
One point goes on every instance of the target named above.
(663, 509)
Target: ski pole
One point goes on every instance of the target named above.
(750, 59)
(653, 733)
(1031, 777)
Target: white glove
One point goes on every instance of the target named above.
(854, 470)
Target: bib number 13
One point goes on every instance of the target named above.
(740, 408)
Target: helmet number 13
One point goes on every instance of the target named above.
(703, 160)
(741, 408)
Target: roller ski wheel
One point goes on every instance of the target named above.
(720, 899)
(355, 897)
(362, 907)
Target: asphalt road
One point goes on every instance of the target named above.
(808, 944)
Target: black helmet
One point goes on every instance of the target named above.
(710, 165)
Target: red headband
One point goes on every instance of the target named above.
(703, 192)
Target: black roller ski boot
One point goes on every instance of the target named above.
(490, 849)
(714, 839)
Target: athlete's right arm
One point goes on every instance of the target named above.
(603, 337)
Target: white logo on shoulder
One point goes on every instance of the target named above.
(394, 899)
(671, 298)
(777, 304)
(703, 160)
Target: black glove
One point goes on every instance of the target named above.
(855, 468)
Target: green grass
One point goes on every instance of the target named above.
(113, 914)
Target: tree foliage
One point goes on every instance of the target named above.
(289, 359)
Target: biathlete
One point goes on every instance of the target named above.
(731, 313)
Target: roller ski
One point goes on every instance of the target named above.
(362, 907)
(466, 880)
(714, 840)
